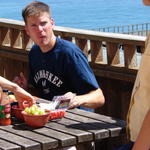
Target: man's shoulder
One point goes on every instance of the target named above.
(65, 42)
(69, 47)
(33, 49)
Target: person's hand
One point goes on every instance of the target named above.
(74, 101)
(21, 81)
(23, 97)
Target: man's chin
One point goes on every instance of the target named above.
(42, 43)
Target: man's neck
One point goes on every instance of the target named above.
(50, 46)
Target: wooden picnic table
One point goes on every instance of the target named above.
(77, 128)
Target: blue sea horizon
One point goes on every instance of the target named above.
(85, 14)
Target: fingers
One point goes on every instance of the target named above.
(74, 103)
(26, 101)
(30, 99)
(33, 100)
(70, 95)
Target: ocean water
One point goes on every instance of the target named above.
(85, 14)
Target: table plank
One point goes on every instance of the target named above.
(26, 144)
(4, 145)
(64, 140)
(99, 117)
(113, 129)
(82, 136)
(98, 133)
(23, 131)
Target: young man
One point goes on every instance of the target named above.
(58, 66)
(20, 93)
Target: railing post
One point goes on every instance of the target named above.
(96, 51)
(15, 40)
(26, 41)
(130, 56)
(5, 37)
(113, 53)
(82, 43)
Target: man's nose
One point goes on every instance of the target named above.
(40, 28)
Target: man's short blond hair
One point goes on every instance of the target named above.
(35, 8)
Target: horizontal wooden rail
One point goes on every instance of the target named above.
(108, 50)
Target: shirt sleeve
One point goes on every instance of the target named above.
(80, 76)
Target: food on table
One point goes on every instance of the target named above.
(57, 114)
(34, 116)
(54, 113)
(35, 110)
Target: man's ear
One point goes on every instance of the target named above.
(52, 21)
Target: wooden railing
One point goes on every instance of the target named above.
(113, 57)
(107, 51)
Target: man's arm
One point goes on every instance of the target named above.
(92, 99)
(143, 139)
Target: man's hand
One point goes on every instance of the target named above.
(93, 99)
(73, 101)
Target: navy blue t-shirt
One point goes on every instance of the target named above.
(64, 68)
